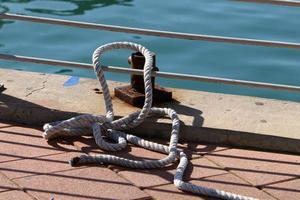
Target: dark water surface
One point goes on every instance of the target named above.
(217, 17)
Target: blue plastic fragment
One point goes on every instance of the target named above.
(73, 80)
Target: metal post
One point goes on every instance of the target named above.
(137, 61)
(134, 93)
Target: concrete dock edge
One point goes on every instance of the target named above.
(241, 121)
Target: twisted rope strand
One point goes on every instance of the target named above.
(106, 125)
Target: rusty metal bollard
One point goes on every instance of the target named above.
(134, 93)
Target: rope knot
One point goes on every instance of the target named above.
(100, 126)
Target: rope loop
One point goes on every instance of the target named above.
(101, 125)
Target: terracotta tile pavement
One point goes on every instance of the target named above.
(169, 191)
(6, 184)
(41, 169)
(227, 182)
(20, 142)
(197, 168)
(285, 190)
(14, 195)
(259, 168)
(86, 183)
(37, 165)
(231, 183)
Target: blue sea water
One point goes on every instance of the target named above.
(217, 17)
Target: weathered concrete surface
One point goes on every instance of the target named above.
(34, 98)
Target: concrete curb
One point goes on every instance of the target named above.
(245, 122)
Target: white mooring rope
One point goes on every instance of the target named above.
(98, 125)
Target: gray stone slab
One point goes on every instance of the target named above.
(248, 122)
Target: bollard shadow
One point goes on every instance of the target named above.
(20, 111)
(197, 121)
(180, 109)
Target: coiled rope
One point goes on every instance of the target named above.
(106, 125)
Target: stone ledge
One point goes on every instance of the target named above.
(247, 122)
